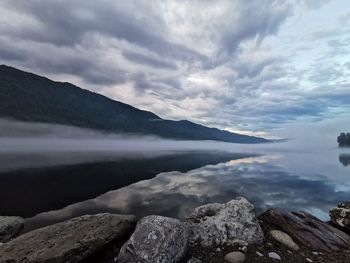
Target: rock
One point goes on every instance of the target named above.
(340, 216)
(10, 226)
(306, 230)
(284, 239)
(70, 241)
(215, 224)
(235, 257)
(156, 239)
(274, 255)
(259, 254)
(309, 260)
(244, 248)
(194, 260)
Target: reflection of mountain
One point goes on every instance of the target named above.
(344, 159)
(31, 191)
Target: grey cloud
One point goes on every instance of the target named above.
(339, 47)
(44, 58)
(146, 60)
(326, 74)
(172, 82)
(314, 107)
(344, 19)
(10, 55)
(252, 70)
(347, 65)
(62, 25)
(336, 43)
(266, 21)
(269, 114)
(69, 35)
(91, 41)
(326, 33)
(313, 4)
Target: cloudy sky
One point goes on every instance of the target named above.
(250, 66)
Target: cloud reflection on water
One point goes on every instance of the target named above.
(176, 194)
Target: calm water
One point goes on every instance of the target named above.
(46, 187)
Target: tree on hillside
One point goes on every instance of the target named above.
(344, 139)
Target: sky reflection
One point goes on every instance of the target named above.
(264, 180)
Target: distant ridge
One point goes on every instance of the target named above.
(29, 97)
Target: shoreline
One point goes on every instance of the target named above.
(212, 233)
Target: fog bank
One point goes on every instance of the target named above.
(24, 137)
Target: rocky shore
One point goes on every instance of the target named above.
(228, 232)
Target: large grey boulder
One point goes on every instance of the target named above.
(340, 216)
(216, 224)
(70, 241)
(10, 226)
(156, 239)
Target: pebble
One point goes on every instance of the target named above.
(284, 239)
(259, 254)
(315, 253)
(194, 260)
(244, 248)
(274, 255)
(235, 257)
(218, 249)
(309, 260)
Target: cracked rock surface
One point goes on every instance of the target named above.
(156, 239)
(216, 224)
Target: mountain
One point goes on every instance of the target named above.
(29, 97)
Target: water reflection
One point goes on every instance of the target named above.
(261, 179)
(344, 159)
(34, 190)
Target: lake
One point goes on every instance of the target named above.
(48, 186)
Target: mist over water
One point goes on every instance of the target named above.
(50, 173)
